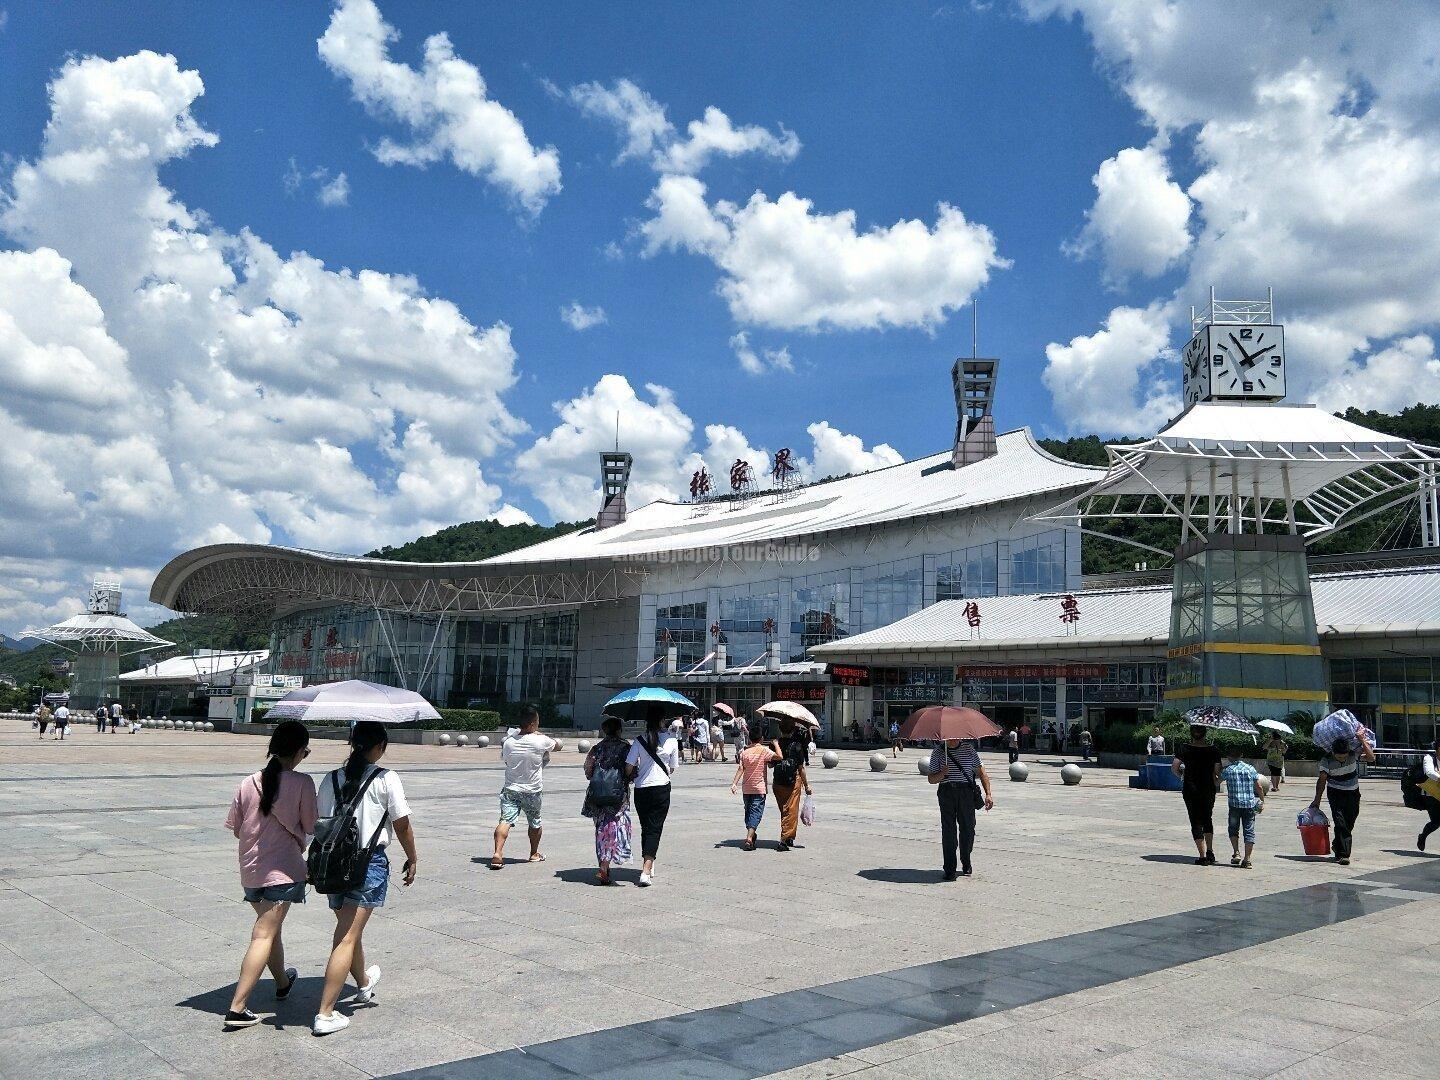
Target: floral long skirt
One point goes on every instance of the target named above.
(612, 837)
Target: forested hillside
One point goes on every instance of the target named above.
(473, 541)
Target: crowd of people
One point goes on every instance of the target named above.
(108, 715)
(359, 812)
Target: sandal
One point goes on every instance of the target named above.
(748, 845)
(536, 858)
(497, 864)
(1245, 865)
(1234, 860)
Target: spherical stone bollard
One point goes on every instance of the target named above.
(922, 765)
(1019, 771)
(209, 726)
(582, 747)
(1071, 774)
(462, 740)
(444, 739)
(1264, 782)
(483, 741)
(830, 759)
(878, 762)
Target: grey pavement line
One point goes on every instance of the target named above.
(797, 1028)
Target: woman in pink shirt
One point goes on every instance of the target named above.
(272, 815)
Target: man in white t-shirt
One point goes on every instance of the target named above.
(62, 721)
(525, 756)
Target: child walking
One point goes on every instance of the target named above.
(750, 768)
(1242, 788)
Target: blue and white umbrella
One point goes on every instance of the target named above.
(645, 701)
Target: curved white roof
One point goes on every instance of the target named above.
(198, 666)
(95, 629)
(1370, 602)
(921, 488)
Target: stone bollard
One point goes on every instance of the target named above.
(922, 765)
(462, 740)
(559, 745)
(483, 741)
(1071, 774)
(209, 726)
(1019, 771)
(1264, 782)
(830, 759)
(878, 762)
(444, 739)
(583, 746)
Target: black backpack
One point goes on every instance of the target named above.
(606, 790)
(338, 859)
(1410, 793)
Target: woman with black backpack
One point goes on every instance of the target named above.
(607, 798)
(371, 797)
(1428, 787)
(652, 759)
(788, 780)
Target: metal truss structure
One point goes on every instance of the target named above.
(253, 582)
(1234, 312)
(98, 634)
(1210, 486)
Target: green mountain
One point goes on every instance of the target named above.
(1392, 529)
(473, 541)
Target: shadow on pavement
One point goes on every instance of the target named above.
(902, 876)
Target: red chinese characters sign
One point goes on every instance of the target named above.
(849, 675)
(1030, 671)
(798, 693)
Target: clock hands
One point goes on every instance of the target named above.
(1249, 360)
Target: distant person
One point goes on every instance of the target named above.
(1087, 743)
(1246, 801)
(717, 739)
(652, 760)
(751, 764)
(102, 717)
(132, 717)
(115, 714)
(1012, 743)
(897, 745)
(740, 734)
(381, 815)
(272, 815)
(1275, 759)
(1025, 736)
(962, 788)
(62, 721)
(1198, 762)
(607, 798)
(1430, 765)
(678, 732)
(1339, 782)
(792, 745)
(44, 715)
(1155, 745)
(525, 756)
(700, 738)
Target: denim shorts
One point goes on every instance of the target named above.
(292, 892)
(515, 803)
(372, 893)
(754, 810)
(1243, 818)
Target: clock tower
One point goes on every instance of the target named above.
(1236, 353)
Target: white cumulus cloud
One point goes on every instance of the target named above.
(1120, 380)
(787, 267)
(165, 383)
(579, 317)
(445, 104)
(755, 361)
(1140, 221)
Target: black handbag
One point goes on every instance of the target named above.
(976, 792)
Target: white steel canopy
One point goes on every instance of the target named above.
(1231, 467)
(110, 633)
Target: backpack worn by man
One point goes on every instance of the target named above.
(1411, 793)
(337, 859)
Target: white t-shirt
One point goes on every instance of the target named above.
(647, 773)
(524, 758)
(115, 710)
(62, 713)
(385, 795)
(1155, 745)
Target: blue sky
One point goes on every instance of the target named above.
(415, 369)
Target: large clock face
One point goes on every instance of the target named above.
(1246, 361)
(1195, 362)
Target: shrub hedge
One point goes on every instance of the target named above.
(450, 719)
(1131, 738)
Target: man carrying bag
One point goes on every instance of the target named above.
(962, 788)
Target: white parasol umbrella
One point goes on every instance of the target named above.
(1275, 725)
(791, 709)
(353, 700)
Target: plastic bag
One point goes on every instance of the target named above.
(1340, 724)
(1311, 815)
(807, 810)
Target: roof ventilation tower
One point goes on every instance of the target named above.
(614, 479)
(974, 381)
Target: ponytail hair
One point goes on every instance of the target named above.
(364, 737)
(287, 740)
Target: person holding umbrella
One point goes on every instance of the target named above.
(652, 758)
(962, 785)
(1198, 764)
(794, 723)
(607, 798)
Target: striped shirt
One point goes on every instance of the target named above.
(967, 754)
(1341, 775)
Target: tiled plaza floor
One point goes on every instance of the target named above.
(1086, 945)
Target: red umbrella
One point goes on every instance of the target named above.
(948, 722)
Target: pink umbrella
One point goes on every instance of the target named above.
(948, 722)
(724, 709)
(791, 709)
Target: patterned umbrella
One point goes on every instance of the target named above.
(1221, 719)
(791, 709)
(1340, 724)
(642, 701)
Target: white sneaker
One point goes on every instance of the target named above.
(367, 992)
(645, 880)
(328, 1025)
